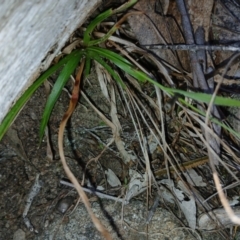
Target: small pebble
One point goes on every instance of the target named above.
(19, 235)
(64, 204)
(46, 223)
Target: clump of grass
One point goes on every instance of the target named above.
(90, 50)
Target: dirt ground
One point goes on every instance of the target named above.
(56, 212)
(22, 158)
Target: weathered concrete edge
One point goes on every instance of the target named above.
(30, 31)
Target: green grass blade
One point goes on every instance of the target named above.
(125, 6)
(104, 38)
(119, 61)
(12, 114)
(101, 17)
(212, 119)
(108, 54)
(204, 97)
(110, 70)
(200, 97)
(127, 67)
(87, 66)
(109, 33)
(57, 89)
(93, 24)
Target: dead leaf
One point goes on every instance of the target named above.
(138, 184)
(188, 206)
(194, 179)
(185, 201)
(102, 79)
(112, 178)
(200, 14)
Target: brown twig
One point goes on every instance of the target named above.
(199, 80)
(193, 47)
(198, 76)
(184, 166)
(72, 105)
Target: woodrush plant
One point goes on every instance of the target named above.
(89, 51)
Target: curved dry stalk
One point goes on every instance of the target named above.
(202, 124)
(133, 96)
(125, 53)
(159, 101)
(218, 87)
(127, 157)
(146, 96)
(124, 18)
(115, 39)
(232, 185)
(197, 118)
(72, 105)
(233, 217)
(199, 80)
(141, 138)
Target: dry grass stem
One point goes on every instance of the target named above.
(70, 175)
